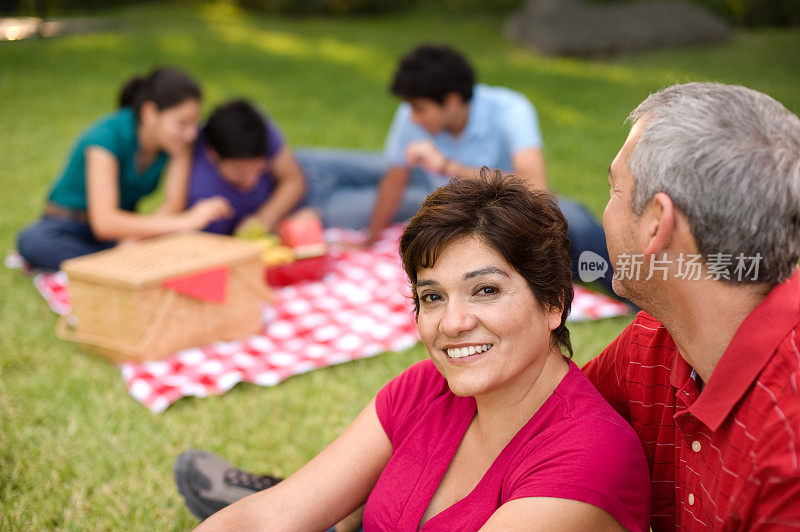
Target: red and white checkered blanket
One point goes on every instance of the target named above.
(361, 308)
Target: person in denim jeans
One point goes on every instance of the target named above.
(447, 126)
(116, 162)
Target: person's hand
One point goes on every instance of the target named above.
(127, 242)
(208, 210)
(251, 225)
(355, 246)
(358, 243)
(425, 155)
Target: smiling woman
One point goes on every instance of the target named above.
(523, 431)
(499, 430)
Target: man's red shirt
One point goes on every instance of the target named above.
(726, 458)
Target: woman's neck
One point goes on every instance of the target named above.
(502, 413)
(148, 145)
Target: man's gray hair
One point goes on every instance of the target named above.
(729, 158)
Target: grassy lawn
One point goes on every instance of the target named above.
(76, 452)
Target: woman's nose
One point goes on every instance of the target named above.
(457, 318)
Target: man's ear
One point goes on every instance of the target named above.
(659, 218)
(453, 99)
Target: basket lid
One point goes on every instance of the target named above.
(150, 262)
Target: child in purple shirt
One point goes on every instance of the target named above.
(240, 156)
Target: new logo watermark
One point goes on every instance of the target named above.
(591, 266)
(692, 267)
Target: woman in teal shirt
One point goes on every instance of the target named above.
(115, 163)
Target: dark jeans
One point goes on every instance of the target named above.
(585, 234)
(343, 186)
(49, 241)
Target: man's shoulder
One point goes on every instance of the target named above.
(776, 393)
(770, 417)
(643, 352)
(645, 321)
(783, 369)
(770, 408)
(403, 112)
(496, 96)
(646, 332)
(404, 126)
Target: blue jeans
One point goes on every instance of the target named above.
(49, 241)
(585, 234)
(343, 186)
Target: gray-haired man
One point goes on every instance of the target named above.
(703, 226)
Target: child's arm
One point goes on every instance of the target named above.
(290, 185)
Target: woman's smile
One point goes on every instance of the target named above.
(467, 354)
(466, 351)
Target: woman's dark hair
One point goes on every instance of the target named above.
(433, 71)
(166, 87)
(235, 130)
(525, 227)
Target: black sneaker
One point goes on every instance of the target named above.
(208, 483)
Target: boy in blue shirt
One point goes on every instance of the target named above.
(447, 126)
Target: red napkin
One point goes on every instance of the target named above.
(207, 285)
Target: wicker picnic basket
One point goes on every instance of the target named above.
(148, 300)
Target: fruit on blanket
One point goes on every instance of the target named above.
(253, 231)
(303, 232)
(268, 241)
(301, 237)
(272, 252)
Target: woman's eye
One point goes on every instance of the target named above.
(429, 298)
(487, 290)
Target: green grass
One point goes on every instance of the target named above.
(76, 452)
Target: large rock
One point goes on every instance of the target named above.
(573, 27)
